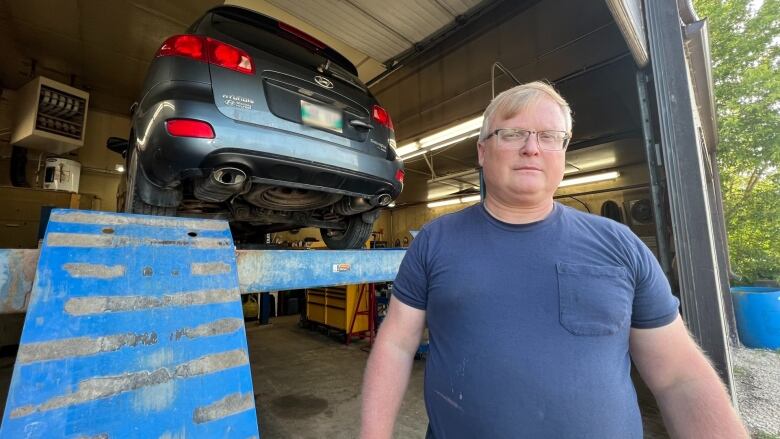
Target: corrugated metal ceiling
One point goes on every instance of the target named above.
(378, 28)
(80, 42)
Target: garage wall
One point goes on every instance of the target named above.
(534, 40)
(414, 217)
(381, 226)
(392, 223)
(98, 175)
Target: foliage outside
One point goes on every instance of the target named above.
(745, 50)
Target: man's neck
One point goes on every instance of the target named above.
(518, 214)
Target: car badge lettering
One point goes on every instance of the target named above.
(323, 81)
(238, 101)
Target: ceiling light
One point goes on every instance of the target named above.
(441, 203)
(590, 178)
(391, 204)
(406, 149)
(453, 132)
(442, 138)
(119, 168)
(453, 141)
(451, 201)
(414, 154)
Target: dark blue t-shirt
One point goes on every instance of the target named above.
(529, 324)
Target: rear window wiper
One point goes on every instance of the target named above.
(335, 71)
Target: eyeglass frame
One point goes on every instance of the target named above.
(566, 137)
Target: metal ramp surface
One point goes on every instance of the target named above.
(134, 329)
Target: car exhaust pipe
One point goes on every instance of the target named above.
(220, 185)
(382, 200)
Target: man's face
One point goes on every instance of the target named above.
(529, 175)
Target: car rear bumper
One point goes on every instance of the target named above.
(278, 151)
(268, 168)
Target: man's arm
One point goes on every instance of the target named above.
(388, 369)
(692, 399)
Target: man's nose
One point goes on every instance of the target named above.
(531, 146)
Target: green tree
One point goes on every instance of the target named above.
(745, 49)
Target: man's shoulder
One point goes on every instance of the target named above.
(593, 222)
(455, 220)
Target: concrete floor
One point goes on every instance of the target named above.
(307, 385)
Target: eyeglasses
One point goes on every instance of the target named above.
(516, 138)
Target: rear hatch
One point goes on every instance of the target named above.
(296, 78)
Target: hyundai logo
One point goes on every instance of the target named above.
(323, 81)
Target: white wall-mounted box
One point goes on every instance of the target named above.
(50, 116)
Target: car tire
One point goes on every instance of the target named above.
(136, 204)
(353, 237)
(147, 209)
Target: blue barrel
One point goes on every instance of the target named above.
(757, 310)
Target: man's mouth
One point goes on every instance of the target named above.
(526, 168)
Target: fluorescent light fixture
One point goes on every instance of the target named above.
(590, 178)
(415, 154)
(451, 201)
(406, 149)
(453, 132)
(453, 141)
(441, 203)
(440, 139)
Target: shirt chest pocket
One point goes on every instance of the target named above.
(594, 300)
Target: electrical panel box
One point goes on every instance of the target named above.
(51, 116)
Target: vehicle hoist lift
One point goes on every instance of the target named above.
(134, 325)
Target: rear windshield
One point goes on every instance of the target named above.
(263, 33)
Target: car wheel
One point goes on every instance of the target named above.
(147, 209)
(353, 237)
(133, 203)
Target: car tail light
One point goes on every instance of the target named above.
(382, 116)
(188, 46)
(302, 35)
(189, 128)
(399, 175)
(229, 57)
(208, 50)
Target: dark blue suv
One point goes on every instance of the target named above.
(247, 119)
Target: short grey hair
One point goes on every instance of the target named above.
(511, 102)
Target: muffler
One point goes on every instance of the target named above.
(354, 205)
(220, 185)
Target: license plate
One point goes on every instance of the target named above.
(321, 117)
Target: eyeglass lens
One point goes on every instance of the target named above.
(512, 138)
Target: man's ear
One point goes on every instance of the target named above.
(480, 152)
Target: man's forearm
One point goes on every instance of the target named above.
(384, 385)
(700, 408)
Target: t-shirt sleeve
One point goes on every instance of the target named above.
(411, 283)
(654, 304)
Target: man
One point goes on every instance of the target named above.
(533, 309)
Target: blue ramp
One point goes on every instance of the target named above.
(134, 330)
